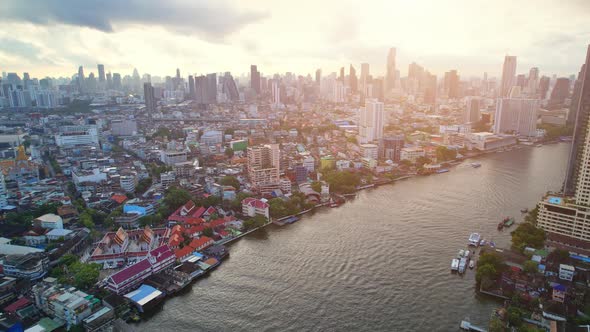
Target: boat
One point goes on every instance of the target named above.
(454, 264)
(524, 210)
(507, 222)
(461, 253)
(475, 165)
(442, 170)
(462, 265)
(471, 264)
(474, 239)
(500, 225)
(482, 242)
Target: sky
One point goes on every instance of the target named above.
(54, 37)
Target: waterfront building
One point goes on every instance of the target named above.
(390, 147)
(412, 153)
(32, 266)
(263, 166)
(485, 141)
(252, 207)
(516, 116)
(370, 151)
(471, 114)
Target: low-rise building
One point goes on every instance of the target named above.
(412, 154)
(49, 220)
(30, 266)
(566, 272)
(252, 207)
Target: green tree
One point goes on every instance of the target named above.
(86, 220)
(229, 152)
(254, 222)
(230, 181)
(176, 197)
(527, 235)
(444, 154)
(496, 325)
(317, 186)
(143, 185)
(530, 267)
(84, 275)
(515, 316)
(421, 161)
(208, 232)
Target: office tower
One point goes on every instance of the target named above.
(573, 111)
(318, 76)
(560, 92)
(150, 99)
(364, 77)
(263, 166)
(452, 84)
(276, 92)
(255, 79)
(353, 80)
(377, 89)
(101, 76)
(371, 121)
(544, 83)
(471, 113)
(390, 147)
(430, 89)
(516, 116)
(508, 75)
(136, 80)
(109, 80)
(229, 87)
(191, 87)
(81, 82)
(178, 74)
(521, 81)
(390, 72)
(117, 81)
(212, 88)
(26, 76)
(581, 124)
(533, 82)
(201, 89)
(91, 83)
(342, 74)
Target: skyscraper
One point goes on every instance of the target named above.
(390, 70)
(517, 116)
(544, 83)
(353, 80)
(571, 115)
(191, 87)
(533, 82)
(318, 76)
(364, 77)
(150, 99)
(471, 113)
(390, 147)
(263, 166)
(276, 92)
(230, 88)
(212, 88)
(255, 79)
(581, 124)
(508, 75)
(117, 81)
(430, 88)
(101, 76)
(341, 74)
(81, 79)
(371, 121)
(452, 84)
(560, 92)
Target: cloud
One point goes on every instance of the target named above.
(18, 48)
(212, 20)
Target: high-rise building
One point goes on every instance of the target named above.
(581, 123)
(544, 83)
(341, 74)
(117, 81)
(390, 147)
(263, 166)
(364, 77)
(390, 73)
(516, 116)
(452, 84)
(212, 88)
(101, 76)
(508, 75)
(533, 82)
(109, 80)
(191, 87)
(430, 88)
(472, 112)
(353, 80)
(81, 81)
(371, 121)
(318, 76)
(560, 92)
(255, 79)
(229, 87)
(573, 111)
(564, 218)
(276, 92)
(150, 99)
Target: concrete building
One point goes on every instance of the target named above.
(371, 121)
(472, 113)
(485, 141)
(173, 157)
(516, 116)
(49, 221)
(370, 151)
(263, 166)
(390, 147)
(70, 136)
(412, 153)
(508, 75)
(252, 207)
(31, 266)
(124, 127)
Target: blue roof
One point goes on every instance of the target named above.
(142, 292)
(554, 200)
(198, 254)
(581, 258)
(559, 287)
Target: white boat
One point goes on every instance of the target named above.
(474, 239)
(462, 265)
(461, 253)
(471, 264)
(454, 264)
(475, 165)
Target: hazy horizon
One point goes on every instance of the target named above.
(53, 38)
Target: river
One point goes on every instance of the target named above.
(378, 263)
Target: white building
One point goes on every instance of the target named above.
(50, 221)
(173, 157)
(371, 121)
(252, 207)
(517, 116)
(94, 175)
(69, 136)
(471, 113)
(412, 153)
(128, 182)
(124, 127)
(309, 163)
(369, 151)
(566, 272)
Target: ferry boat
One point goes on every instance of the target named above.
(442, 170)
(508, 221)
(475, 165)
(454, 264)
(462, 265)
(501, 225)
(524, 210)
(482, 242)
(474, 239)
(471, 265)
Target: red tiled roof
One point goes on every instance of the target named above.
(181, 253)
(200, 242)
(18, 304)
(256, 203)
(192, 212)
(119, 198)
(130, 271)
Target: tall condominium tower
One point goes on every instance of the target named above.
(508, 75)
(390, 70)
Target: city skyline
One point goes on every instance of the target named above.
(226, 36)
